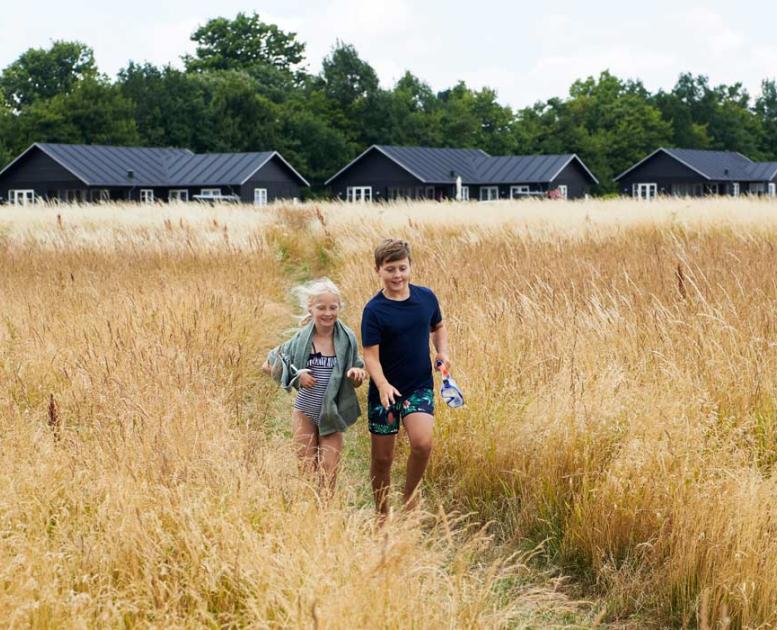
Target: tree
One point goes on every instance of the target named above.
(94, 112)
(245, 43)
(40, 74)
(171, 107)
(348, 79)
(766, 110)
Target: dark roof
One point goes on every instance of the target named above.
(506, 169)
(474, 166)
(716, 165)
(109, 166)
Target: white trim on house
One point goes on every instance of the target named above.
(146, 195)
(178, 194)
(362, 154)
(260, 196)
(772, 189)
(670, 154)
(574, 156)
(282, 159)
(563, 190)
(464, 193)
(40, 148)
(735, 189)
(489, 191)
(518, 191)
(356, 194)
(210, 192)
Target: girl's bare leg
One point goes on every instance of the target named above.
(329, 449)
(305, 441)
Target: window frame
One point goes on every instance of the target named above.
(260, 201)
(488, 196)
(146, 195)
(364, 193)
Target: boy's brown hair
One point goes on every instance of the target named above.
(391, 250)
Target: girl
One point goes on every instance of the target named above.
(322, 362)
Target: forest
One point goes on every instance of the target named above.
(246, 87)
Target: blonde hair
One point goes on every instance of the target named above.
(307, 293)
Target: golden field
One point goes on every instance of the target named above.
(614, 463)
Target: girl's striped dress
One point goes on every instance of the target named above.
(310, 399)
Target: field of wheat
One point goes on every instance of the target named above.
(614, 463)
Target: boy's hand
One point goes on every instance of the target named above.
(356, 376)
(446, 360)
(388, 394)
(306, 379)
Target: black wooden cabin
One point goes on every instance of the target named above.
(697, 173)
(88, 173)
(389, 172)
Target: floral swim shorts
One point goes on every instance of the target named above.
(382, 421)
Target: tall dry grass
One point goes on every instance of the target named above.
(147, 478)
(621, 378)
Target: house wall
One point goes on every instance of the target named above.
(37, 171)
(574, 177)
(663, 171)
(276, 178)
(376, 170)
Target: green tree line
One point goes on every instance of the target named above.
(246, 88)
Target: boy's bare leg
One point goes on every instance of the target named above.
(329, 449)
(380, 470)
(305, 440)
(419, 431)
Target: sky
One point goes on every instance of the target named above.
(526, 51)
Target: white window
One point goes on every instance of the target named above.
(178, 194)
(260, 196)
(735, 189)
(489, 193)
(562, 191)
(517, 192)
(146, 195)
(644, 191)
(772, 189)
(465, 193)
(210, 192)
(21, 197)
(359, 193)
(711, 189)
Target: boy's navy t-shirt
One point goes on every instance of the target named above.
(401, 328)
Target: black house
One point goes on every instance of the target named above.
(697, 173)
(86, 173)
(387, 172)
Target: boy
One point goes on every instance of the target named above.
(396, 325)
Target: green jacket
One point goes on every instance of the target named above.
(340, 408)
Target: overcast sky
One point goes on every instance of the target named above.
(527, 51)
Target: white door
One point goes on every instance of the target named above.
(489, 193)
(772, 189)
(644, 191)
(359, 193)
(260, 196)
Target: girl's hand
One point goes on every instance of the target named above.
(306, 379)
(388, 394)
(356, 376)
